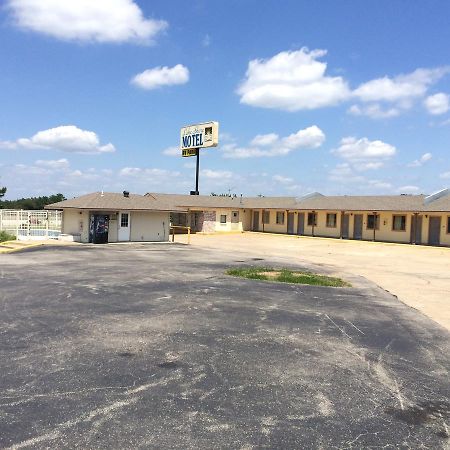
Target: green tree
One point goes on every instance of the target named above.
(2, 192)
(31, 202)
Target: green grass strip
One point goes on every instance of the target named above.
(286, 276)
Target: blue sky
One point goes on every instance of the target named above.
(337, 97)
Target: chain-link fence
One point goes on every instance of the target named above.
(31, 224)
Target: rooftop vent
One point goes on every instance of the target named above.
(126, 194)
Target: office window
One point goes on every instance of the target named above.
(331, 220)
(373, 221)
(399, 223)
(266, 217)
(124, 220)
(312, 219)
(223, 218)
(280, 217)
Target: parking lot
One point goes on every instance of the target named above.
(417, 275)
(153, 346)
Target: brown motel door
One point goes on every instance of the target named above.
(301, 224)
(434, 231)
(290, 223)
(358, 226)
(416, 229)
(345, 222)
(255, 221)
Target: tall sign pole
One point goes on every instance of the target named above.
(197, 171)
(195, 137)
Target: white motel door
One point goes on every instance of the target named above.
(124, 226)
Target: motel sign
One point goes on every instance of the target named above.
(202, 135)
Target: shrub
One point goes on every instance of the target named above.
(5, 236)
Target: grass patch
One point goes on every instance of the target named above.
(4, 236)
(286, 276)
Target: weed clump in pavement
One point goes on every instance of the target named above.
(286, 276)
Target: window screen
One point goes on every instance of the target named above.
(331, 220)
(280, 217)
(399, 223)
(312, 219)
(373, 221)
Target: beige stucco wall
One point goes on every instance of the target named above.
(444, 236)
(113, 230)
(149, 226)
(76, 222)
(246, 215)
(272, 226)
(214, 226)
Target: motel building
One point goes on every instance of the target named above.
(103, 217)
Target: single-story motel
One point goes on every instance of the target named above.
(103, 217)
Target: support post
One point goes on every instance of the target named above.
(374, 225)
(197, 170)
(189, 235)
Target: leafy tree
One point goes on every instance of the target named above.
(31, 202)
(2, 192)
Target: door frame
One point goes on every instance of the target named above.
(361, 216)
(290, 230)
(121, 230)
(439, 230)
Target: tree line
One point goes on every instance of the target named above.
(29, 202)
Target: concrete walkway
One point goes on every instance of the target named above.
(419, 276)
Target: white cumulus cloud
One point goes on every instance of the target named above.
(216, 174)
(282, 179)
(364, 150)
(62, 163)
(161, 76)
(292, 81)
(271, 144)
(374, 111)
(400, 88)
(86, 20)
(66, 138)
(408, 189)
(421, 161)
(172, 151)
(261, 140)
(438, 103)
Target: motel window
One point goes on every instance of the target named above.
(124, 220)
(373, 221)
(266, 217)
(223, 218)
(280, 217)
(312, 219)
(399, 223)
(448, 224)
(331, 220)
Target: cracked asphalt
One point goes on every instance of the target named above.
(153, 346)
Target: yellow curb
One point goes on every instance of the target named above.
(19, 248)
